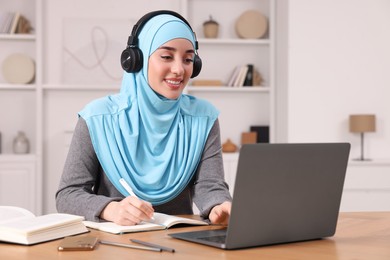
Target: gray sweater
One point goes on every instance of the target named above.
(85, 190)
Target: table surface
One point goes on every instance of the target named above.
(359, 235)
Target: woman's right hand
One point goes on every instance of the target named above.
(127, 212)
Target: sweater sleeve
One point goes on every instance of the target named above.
(77, 192)
(210, 188)
(84, 190)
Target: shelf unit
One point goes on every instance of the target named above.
(21, 108)
(36, 106)
(17, 178)
(240, 107)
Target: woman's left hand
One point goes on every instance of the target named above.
(220, 214)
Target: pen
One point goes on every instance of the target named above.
(130, 246)
(129, 189)
(163, 248)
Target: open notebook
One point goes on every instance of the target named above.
(161, 221)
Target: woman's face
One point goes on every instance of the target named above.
(170, 67)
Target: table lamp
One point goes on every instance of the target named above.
(361, 124)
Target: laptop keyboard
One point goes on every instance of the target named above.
(217, 239)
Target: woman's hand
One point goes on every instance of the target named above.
(127, 212)
(220, 214)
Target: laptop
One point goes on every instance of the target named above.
(283, 193)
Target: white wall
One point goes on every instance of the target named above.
(333, 63)
(338, 62)
(60, 17)
(69, 58)
(61, 106)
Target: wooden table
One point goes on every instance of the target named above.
(358, 236)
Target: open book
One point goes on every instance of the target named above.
(161, 221)
(18, 225)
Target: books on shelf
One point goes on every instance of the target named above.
(239, 81)
(243, 76)
(233, 76)
(5, 21)
(13, 22)
(248, 81)
(161, 221)
(20, 226)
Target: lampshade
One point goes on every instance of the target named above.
(361, 123)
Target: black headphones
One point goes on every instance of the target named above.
(132, 58)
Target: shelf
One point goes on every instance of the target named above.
(18, 37)
(235, 41)
(117, 88)
(373, 162)
(228, 89)
(231, 156)
(17, 158)
(6, 86)
(22, 110)
(68, 87)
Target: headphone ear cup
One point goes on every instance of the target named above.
(197, 67)
(132, 59)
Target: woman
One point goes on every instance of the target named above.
(165, 145)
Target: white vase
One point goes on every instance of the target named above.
(21, 144)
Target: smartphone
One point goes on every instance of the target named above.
(78, 243)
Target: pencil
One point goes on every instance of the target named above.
(163, 248)
(130, 246)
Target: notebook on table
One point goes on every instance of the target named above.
(283, 193)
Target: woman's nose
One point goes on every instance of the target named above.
(178, 67)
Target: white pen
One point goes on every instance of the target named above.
(129, 189)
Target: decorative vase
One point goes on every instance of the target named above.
(210, 28)
(229, 147)
(21, 143)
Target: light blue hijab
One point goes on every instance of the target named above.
(154, 143)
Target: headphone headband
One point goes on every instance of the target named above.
(131, 58)
(133, 38)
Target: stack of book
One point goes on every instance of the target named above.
(14, 22)
(20, 226)
(242, 76)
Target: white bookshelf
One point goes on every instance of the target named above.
(47, 109)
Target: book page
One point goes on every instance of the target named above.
(161, 221)
(36, 224)
(169, 220)
(113, 228)
(10, 213)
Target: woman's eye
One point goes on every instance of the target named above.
(166, 57)
(189, 60)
